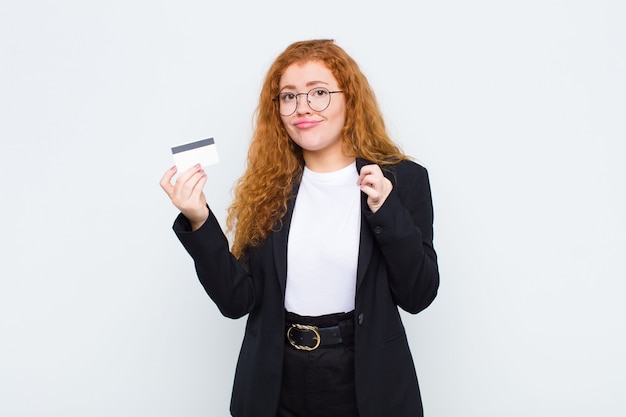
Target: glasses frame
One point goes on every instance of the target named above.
(330, 93)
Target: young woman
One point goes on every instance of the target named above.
(332, 233)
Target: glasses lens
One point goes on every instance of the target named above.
(319, 98)
(287, 103)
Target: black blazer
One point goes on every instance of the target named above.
(397, 267)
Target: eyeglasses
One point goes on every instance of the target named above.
(317, 98)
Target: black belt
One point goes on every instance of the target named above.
(307, 337)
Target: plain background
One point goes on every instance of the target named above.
(517, 109)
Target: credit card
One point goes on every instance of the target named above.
(203, 152)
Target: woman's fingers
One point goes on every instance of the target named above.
(166, 180)
(373, 183)
(186, 183)
(181, 181)
(187, 192)
(191, 195)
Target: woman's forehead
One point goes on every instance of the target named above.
(304, 74)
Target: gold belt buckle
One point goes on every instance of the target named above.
(313, 329)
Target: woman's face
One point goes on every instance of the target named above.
(318, 133)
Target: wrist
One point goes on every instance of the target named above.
(196, 220)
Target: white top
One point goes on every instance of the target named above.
(323, 248)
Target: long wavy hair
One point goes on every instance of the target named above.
(275, 162)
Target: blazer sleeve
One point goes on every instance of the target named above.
(223, 276)
(403, 229)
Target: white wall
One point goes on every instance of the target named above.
(517, 109)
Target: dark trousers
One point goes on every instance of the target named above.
(319, 383)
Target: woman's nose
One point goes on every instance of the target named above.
(302, 103)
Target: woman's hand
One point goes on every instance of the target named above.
(373, 183)
(187, 195)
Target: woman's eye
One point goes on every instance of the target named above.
(320, 92)
(287, 97)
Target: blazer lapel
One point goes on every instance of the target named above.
(366, 241)
(280, 240)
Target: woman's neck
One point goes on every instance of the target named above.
(326, 163)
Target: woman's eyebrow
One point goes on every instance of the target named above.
(308, 84)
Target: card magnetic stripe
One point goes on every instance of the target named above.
(193, 145)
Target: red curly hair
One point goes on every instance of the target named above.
(275, 162)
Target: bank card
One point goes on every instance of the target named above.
(203, 152)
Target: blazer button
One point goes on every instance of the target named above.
(359, 319)
(378, 230)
